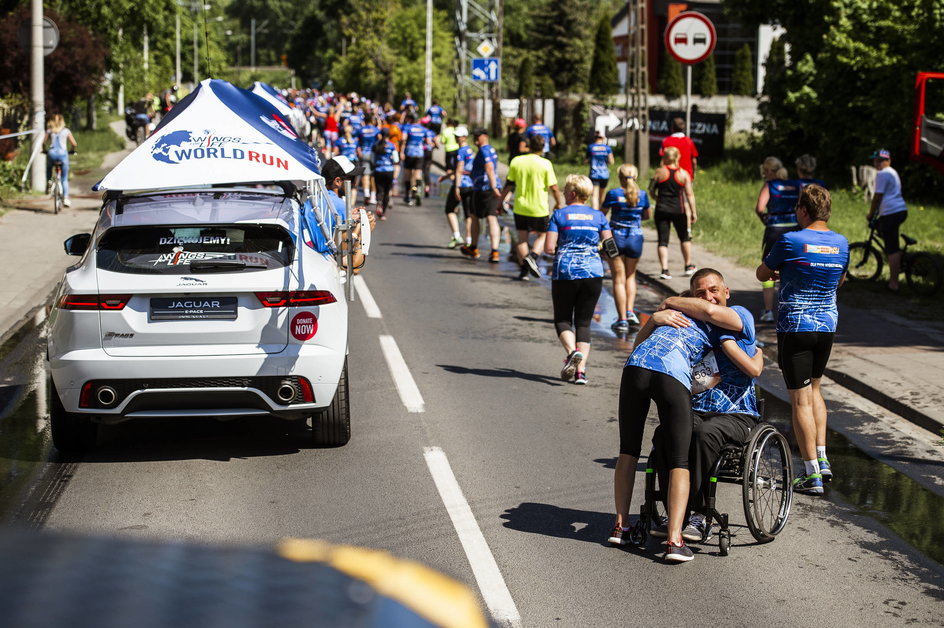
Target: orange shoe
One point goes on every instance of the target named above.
(494, 257)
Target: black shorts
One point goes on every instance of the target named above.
(413, 163)
(435, 127)
(484, 204)
(451, 159)
(600, 183)
(532, 223)
(466, 201)
(665, 220)
(802, 356)
(771, 236)
(888, 227)
(639, 387)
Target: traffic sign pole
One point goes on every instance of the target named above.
(688, 99)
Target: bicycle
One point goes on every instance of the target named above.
(867, 260)
(55, 186)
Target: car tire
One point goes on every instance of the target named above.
(71, 433)
(332, 426)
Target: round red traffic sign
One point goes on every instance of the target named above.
(304, 326)
(690, 37)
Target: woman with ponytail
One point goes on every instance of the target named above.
(627, 206)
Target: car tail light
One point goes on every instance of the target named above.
(85, 397)
(308, 395)
(94, 301)
(296, 298)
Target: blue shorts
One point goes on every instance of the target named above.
(629, 244)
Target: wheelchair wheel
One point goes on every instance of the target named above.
(767, 483)
(724, 542)
(639, 534)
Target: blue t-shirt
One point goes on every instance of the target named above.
(734, 394)
(415, 136)
(781, 207)
(673, 351)
(356, 121)
(408, 102)
(811, 263)
(622, 216)
(465, 155)
(578, 230)
(479, 176)
(435, 113)
(543, 131)
(430, 137)
(367, 136)
(339, 205)
(599, 154)
(347, 147)
(383, 162)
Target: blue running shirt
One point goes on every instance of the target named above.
(734, 394)
(466, 155)
(415, 135)
(435, 113)
(622, 216)
(383, 162)
(479, 175)
(578, 230)
(599, 154)
(811, 263)
(367, 136)
(543, 131)
(673, 351)
(356, 121)
(781, 207)
(347, 147)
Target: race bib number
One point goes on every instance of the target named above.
(705, 374)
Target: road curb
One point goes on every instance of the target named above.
(25, 319)
(845, 380)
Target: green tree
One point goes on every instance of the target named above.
(707, 79)
(562, 39)
(670, 83)
(526, 84)
(742, 77)
(604, 76)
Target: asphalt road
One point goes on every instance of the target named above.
(533, 457)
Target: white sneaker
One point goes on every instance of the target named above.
(632, 318)
(767, 316)
(66, 202)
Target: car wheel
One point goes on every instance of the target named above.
(332, 426)
(71, 433)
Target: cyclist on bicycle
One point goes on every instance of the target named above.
(888, 203)
(59, 138)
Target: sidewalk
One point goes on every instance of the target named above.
(31, 238)
(892, 361)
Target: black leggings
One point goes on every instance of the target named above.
(574, 302)
(383, 181)
(638, 388)
(666, 220)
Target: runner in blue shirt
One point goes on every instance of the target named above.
(436, 114)
(811, 264)
(600, 158)
(408, 105)
(365, 151)
(347, 144)
(628, 206)
(538, 128)
(776, 208)
(461, 192)
(431, 143)
(386, 156)
(412, 148)
(486, 192)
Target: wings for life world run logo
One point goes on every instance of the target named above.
(177, 147)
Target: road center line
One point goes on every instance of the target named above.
(367, 299)
(406, 386)
(491, 583)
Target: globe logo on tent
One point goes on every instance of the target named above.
(162, 148)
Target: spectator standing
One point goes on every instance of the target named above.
(600, 158)
(486, 191)
(811, 264)
(889, 205)
(539, 128)
(688, 154)
(59, 138)
(776, 208)
(531, 177)
(675, 207)
(628, 206)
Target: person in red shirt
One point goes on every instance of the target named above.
(685, 145)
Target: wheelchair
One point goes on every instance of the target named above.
(762, 465)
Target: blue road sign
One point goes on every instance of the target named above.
(486, 70)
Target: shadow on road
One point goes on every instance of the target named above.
(504, 372)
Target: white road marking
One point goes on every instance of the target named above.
(406, 386)
(367, 299)
(491, 583)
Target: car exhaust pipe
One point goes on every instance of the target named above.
(286, 392)
(106, 396)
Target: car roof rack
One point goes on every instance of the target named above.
(289, 190)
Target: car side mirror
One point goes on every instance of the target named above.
(78, 244)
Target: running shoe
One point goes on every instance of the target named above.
(580, 378)
(660, 527)
(453, 243)
(697, 530)
(469, 251)
(619, 536)
(690, 270)
(410, 202)
(825, 470)
(631, 318)
(678, 553)
(524, 275)
(570, 365)
(620, 326)
(494, 257)
(532, 265)
(66, 202)
(767, 316)
(665, 274)
(811, 484)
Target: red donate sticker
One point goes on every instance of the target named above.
(304, 326)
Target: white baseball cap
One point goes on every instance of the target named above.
(461, 131)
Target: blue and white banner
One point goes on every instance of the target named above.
(218, 134)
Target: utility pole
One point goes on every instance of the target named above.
(428, 85)
(145, 54)
(37, 95)
(499, 13)
(636, 140)
(177, 77)
(196, 51)
(476, 23)
(252, 44)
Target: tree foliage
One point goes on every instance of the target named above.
(742, 77)
(706, 80)
(670, 83)
(563, 36)
(604, 75)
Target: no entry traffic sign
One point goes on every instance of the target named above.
(690, 37)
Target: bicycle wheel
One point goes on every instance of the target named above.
(57, 196)
(923, 273)
(865, 261)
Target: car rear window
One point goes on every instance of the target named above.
(161, 250)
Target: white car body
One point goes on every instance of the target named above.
(206, 360)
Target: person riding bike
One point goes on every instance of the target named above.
(59, 137)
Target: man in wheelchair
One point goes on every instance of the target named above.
(724, 405)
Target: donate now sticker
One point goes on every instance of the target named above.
(304, 326)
